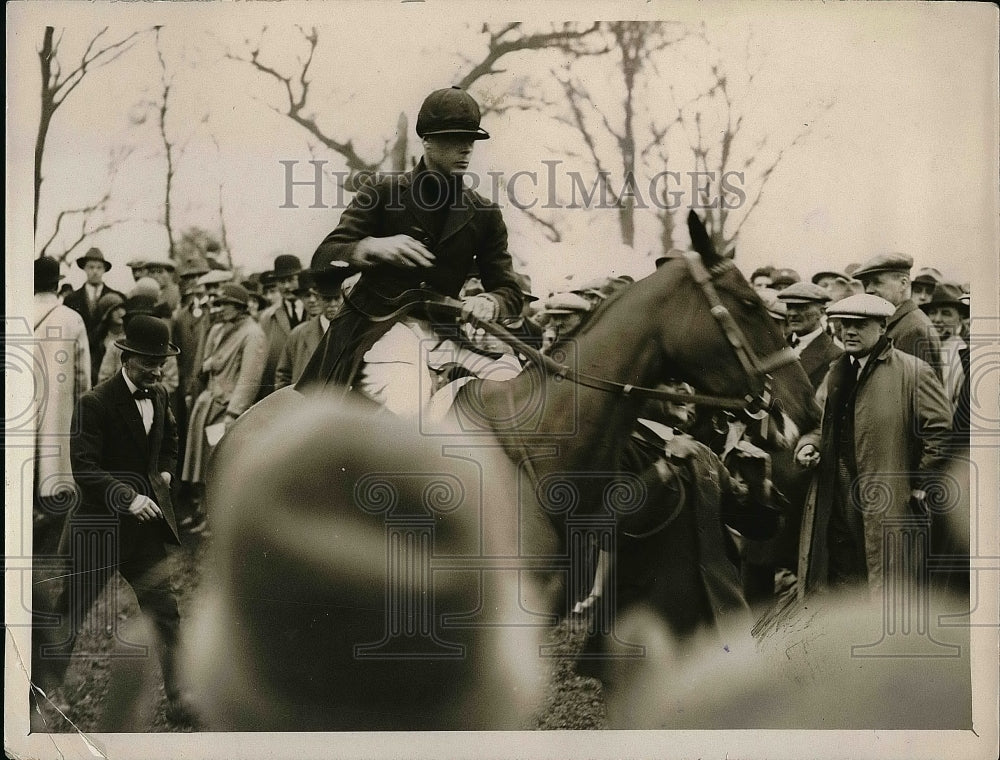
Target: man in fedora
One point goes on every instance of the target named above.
(323, 300)
(422, 230)
(946, 309)
(278, 320)
(883, 439)
(84, 299)
(924, 283)
(124, 458)
(887, 275)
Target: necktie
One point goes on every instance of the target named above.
(140, 393)
(293, 318)
(793, 340)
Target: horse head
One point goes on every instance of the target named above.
(715, 333)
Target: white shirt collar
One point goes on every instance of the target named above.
(805, 340)
(324, 323)
(132, 387)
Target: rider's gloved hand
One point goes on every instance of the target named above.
(482, 306)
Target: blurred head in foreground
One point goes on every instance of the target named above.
(302, 627)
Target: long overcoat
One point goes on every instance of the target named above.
(61, 376)
(233, 366)
(472, 241)
(902, 424)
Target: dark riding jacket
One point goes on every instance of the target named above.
(470, 239)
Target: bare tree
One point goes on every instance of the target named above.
(295, 85)
(57, 85)
(735, 161)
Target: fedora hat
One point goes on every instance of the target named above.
(948, 294)
(94, 254)
(451, 111)
(47, 274)
(148, 336)
(286, 265)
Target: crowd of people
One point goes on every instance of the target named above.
(191, 347)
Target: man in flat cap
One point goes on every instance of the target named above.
(804, 303)
(887, 275)
(162, 269)
(923, 284)
(563, 314)
(783, 277)
(836, 284)
(883, 438)
(422, 230)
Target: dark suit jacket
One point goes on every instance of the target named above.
(816, 357)
(472, 240)
(911, 331)
(114, 459)
(77, 301)
(274, 322)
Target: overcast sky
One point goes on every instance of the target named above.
(904, 159)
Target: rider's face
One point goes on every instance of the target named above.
(448, 154)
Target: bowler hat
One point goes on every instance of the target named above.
(948, 294)
(450, 111)
(285, 265)
(884, 262)
(94, 254)
(803, 292)
(861, 306)
(230, 292)
(782, 278)
(148, 336)
(47, 274)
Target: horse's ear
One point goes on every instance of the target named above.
(700, 240)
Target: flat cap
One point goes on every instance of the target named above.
(803, 292)
(929, 275)
(861, 306)
(829, 273)
(884, 262)
(566, 303)
(214, 276)
(784, 277)
(138, 262)
(160, 261)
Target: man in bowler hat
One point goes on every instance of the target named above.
(278, 321)
(124, 457)
(422, 230)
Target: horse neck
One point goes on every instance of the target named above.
(622, 345)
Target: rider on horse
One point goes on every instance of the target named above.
(418, 231)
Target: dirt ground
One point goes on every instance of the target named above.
(92, 698)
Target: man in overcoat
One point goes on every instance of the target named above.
(422, 230)
(278, 320)
(124, 458)
(882, 441)
(84, 299)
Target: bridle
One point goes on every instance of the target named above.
(756, 404)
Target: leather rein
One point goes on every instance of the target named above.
(758, 371)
